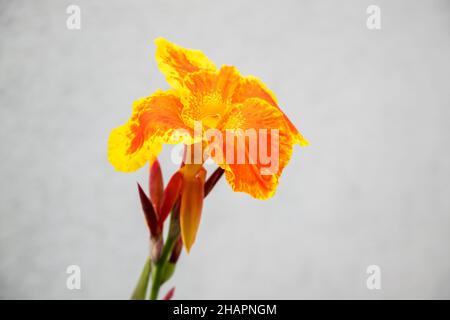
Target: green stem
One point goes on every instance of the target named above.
(160, 265)
(159, 268)
(140, 291)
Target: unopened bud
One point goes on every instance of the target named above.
(156, 185)
(176, 251)
(169, 295)
(149, 213)
(156, 248)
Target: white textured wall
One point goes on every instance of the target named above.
(373, 188)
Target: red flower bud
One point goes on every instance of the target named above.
(171, 194)
(156, 185)
(156, 246)
(176, 251)
(149, 213)
(169, 295)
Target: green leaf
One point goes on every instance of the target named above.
(141, 287)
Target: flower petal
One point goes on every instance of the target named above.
(176, 62)
(191, 205)
(260, 166)
(252, 87)
(155, 120)
(206, 95)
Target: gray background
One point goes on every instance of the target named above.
(373, 187)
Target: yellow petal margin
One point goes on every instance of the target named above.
(176, 62)
(154, 121)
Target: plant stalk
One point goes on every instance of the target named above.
(160, 265)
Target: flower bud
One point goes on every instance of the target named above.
(176, 251)
(149, 213)
(156, 248)
(156, 185)
(171, 194)
(169, 294)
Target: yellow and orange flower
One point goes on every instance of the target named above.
(221, 98)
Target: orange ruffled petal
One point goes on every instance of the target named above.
(155, 120)
(176, 62)
(256, 175)
(252, 87)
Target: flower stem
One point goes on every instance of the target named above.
(162, 268)
(160, 265)
(139, 292)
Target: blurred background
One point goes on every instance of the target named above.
(372, 189)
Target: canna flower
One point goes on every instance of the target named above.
(219, 98)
